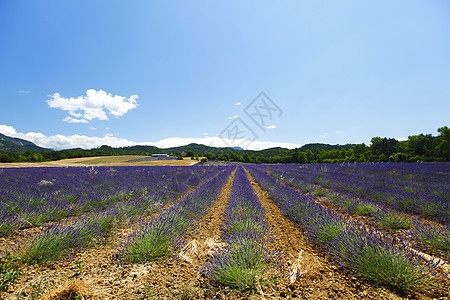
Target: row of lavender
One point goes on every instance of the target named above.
(431, 237)
(381, 258)
(34, 196)
(152, 240)
(162, 235)
(244, 260)
(418, 188)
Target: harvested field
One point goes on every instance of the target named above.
(123, 160)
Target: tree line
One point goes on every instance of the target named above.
(422, 147)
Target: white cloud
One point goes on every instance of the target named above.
(7, 130)
(65, 142)
(205, 133)
(338, 132)
(86, 142)
(73, 120)
(23, 92)
(233, 117)
(95, 105)
(238, 103)
(220, 142)
(323, 135)
(271, 127)
(402, 139)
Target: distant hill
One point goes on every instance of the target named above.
(10, 144)
(197, 148)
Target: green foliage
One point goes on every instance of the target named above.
(55, 241)
(364, 209)
(5, 228)
(393, 220)
(44, 248)
(243, 267)
(434, 237)
(245, 225)
(388, 266)
(9, 270)
(150, 247)
(318, 192)
(329, 231)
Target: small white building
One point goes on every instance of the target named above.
(160, 155)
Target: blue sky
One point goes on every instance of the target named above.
(87, 73)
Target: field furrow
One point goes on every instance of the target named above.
(312, 275)
(379, 258)
(225, 232)
(182, 276)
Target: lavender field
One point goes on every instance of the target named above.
(299, 231)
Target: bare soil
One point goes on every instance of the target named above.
(183, 279)
(102, 161)
(96, 274)
(319, 276)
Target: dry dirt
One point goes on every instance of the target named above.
(95, 273)
(318, 277)
(102, 161)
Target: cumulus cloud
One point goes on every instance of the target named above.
(7, 130)
(220, 142)
(59, 142)
(95, 105)
(65, 142)
(271, 127)
(73, 120)
(238, 103)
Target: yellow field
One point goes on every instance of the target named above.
(103, 161)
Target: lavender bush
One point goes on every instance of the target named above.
(39, 195)
(157, 238)
(418, 188)
(243, 262)
(376, 256)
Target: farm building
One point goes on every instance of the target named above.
(160, 155)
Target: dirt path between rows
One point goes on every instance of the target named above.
(318, 277)
(95, 274)
(434, 256)
(182, 279)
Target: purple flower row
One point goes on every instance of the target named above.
(419, 188)
(244, 260)
(157, 238)
(39, 195)
(377, 256)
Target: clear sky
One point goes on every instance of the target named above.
(87, 73)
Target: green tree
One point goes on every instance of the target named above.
(443, 147)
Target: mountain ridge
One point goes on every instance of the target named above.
(11, 144)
